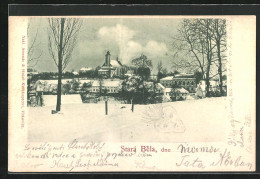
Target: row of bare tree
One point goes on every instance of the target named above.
(201, 45)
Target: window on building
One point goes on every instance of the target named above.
(183, 83)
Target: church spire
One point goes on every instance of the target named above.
(107, 61)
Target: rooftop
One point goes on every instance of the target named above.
(168, 78)
(181, 90)
(177, 77)
(115, 63)
(105, 83)
(85, 69)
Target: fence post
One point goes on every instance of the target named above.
(132, 105)
(106, 107)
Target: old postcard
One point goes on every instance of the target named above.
(131, 93)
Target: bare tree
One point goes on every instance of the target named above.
(196, 39)
(219, 32)
(204, 27)
(159, 66)
(142, 62)
(159, 70)
(33, 56)
(34, 53)
(62, 38)
(189, 48)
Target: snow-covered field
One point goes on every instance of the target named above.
(183, 121)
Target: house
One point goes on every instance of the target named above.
(111, 67)
(48, 86)
(171, 92)
(180, 81)
(111, 86)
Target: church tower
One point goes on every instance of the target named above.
(107, 60)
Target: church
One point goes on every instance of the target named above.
(111, 68)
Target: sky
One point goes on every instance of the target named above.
(125, 38)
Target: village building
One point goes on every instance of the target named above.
(180, 81)
(110, 86)
(50, 86)
(111, 67)
(85, 69)
(168, 92)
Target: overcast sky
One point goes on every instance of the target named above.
(125, 38)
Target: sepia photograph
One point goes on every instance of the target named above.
(126, 79)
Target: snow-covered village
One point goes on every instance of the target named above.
(126, 79)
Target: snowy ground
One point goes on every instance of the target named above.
(184, 121)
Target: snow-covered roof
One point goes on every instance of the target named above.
(115, 63)
(85, 81)
(184, 75)
(85, 69)
(32, 73)
(53, 82)
(103, 70)
(181, 90)
(176, 77)
(167, 90)
(107, 83)
(160, 85)
(167, 78)
(129, 72)
(186, 78)
(75, 73)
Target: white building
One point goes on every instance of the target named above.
(85, 69)
(111, 86)
(186, 82)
